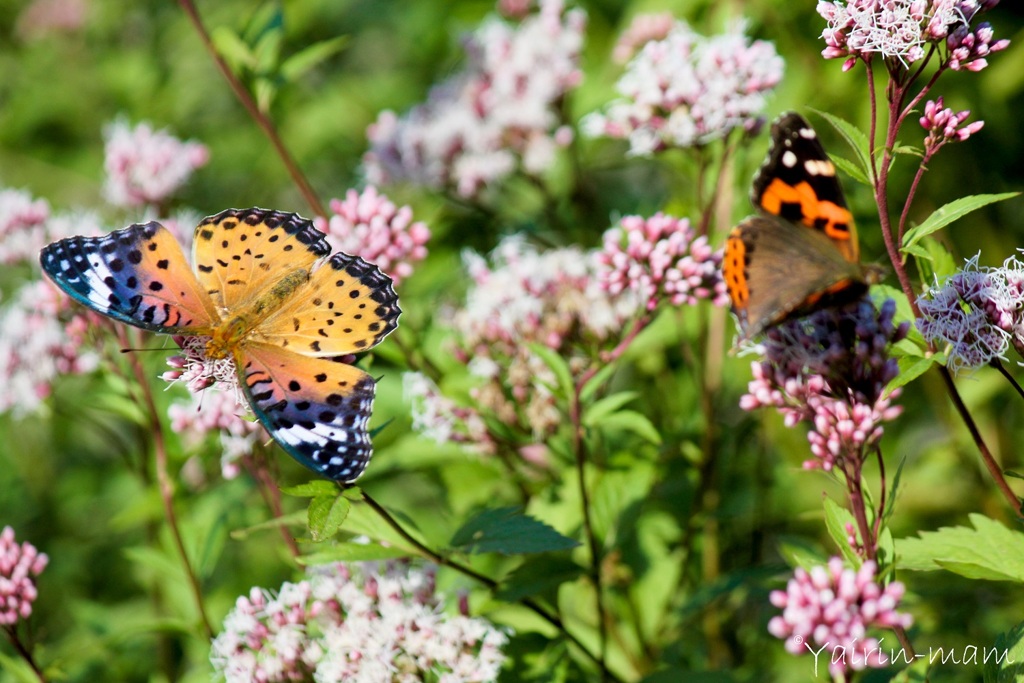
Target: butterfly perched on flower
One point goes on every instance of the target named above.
(801, 253)
(264, 294)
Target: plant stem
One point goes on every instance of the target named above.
(164, 484)
(1009, 378)
(491, 584)
(24, 652)
(261, 119)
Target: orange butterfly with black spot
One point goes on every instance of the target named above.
(801, 254)
(267, 295)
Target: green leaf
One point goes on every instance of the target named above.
(632, 421)
(849, 168)
(326, 515)
(1003, 661)
(911, 368)
(297, 518)
(594, 413)
(950, 212)
(510, 532)
(596, 382)
(539, 576)
(302, 61)
(988, 551)
(353, 552)
(19, 669)
(799, 552)
(836, 519)
(558, 365)
(917, 672)
(311, 489)
(856, 138)
(894, 491)
(233, 49)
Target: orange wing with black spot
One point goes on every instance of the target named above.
(775, 271)
(798, 183)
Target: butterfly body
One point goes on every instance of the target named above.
(801, 253)
(265, 294)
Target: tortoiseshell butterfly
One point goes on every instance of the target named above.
(801, 254)
(266, 294)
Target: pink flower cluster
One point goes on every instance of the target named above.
(687, 90)
(441, 419)
(944, 125)
(368, 225)
(831, 369)
(643, 29)
(832, 607)
(355, 623)
(41, 338)
(146, 166)
(499, 115)
(661, 258)
(18, 565)
(22, 226)
(900, 30)
(975, 313)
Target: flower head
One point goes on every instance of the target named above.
(899, 30)
(830, 369)
(18, 565)
(42, 336)
(22, 226)
(686, 90)
(498, 115)
(944, 125)
(643, 29)
(355, 623)
(441, 419)
(661, 258)
(976, 312)
(146, 166)
(368, 225)
(832, 607)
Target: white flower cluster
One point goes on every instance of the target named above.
(357, 624)
(501, 113)
(145, 166)
(687, 90)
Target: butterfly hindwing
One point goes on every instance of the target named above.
(775, 270)
(348, 306)
(316, 409)
(241, 253)
(798, 183)
(137, 275)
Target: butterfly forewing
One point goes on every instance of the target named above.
(137, 275)
(241, 254)
(774, 270)
(798, 183)
(316, 409)
(348, 306)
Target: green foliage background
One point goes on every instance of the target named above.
(113, 604)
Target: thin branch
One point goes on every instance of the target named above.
(261, 119)
(164, 484)
(23, 651)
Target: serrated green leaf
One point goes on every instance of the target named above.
(311, 489)
(836, 519)
(539, 576)
(918, 251)
(233, 49)
(558, 365)
(911, 368)
(632, 421)
(849, 168)
(988, 551)
(595, 412)
(326, 515)
(302, 61)
(354, 552)
(1003, 661)
(509, 532)
(956, 209)
(856, 138)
